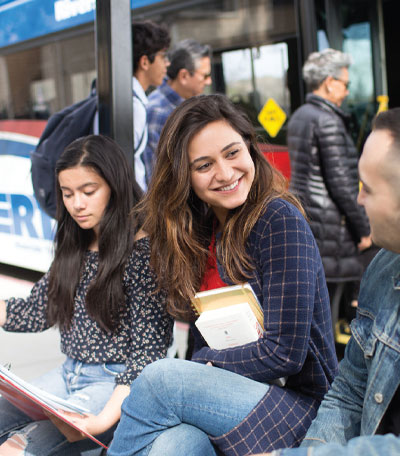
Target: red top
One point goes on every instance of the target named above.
(211, 278)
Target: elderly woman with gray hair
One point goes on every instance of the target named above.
(324, 170)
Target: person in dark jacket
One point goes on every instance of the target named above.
(324, 169)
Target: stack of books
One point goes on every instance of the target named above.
(230, 317)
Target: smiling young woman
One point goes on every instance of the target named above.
(212, 186)
(223, 172)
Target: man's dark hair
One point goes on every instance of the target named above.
(186, 54)
(390, 121)
(148, 38)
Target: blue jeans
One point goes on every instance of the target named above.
(175, 404)
(88, 385)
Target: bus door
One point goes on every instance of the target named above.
(353, 27)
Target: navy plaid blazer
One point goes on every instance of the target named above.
(297, 343)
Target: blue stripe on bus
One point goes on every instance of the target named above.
(15, 148)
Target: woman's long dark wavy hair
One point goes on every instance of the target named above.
(180, 224)
(105, 297)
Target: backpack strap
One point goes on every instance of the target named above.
(135, 95)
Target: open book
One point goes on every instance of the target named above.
(230, 317)
(33, 401)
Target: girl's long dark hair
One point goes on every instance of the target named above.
(179, 223)
(105, 297)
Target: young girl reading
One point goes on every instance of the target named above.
(99, 291)
(211, 180)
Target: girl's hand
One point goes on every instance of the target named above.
(92, 424)
(72, 434)
(3, 312)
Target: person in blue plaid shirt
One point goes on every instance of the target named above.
(211, 181)
(189, 72)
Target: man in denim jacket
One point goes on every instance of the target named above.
(360, 415)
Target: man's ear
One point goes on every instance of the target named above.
(183, 76)
(144, 63)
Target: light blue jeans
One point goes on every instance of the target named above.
(88, 385)
(175, 404)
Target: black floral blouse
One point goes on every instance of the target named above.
(143, 335)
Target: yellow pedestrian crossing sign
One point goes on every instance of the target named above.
(272, 117)
(383, 101)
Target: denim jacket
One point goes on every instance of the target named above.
(369, 374)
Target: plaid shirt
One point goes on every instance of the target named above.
(162, 102)
(298, 341)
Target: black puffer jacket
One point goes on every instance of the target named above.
(324, 176)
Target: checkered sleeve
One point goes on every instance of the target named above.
(156, 118)
(286, 259)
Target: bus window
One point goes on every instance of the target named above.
(42, 93)
(357, 42)
(254, 75)
(80, 83)
(41, 80)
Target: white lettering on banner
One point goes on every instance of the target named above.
(26, 232)
(20, 215)
(65, 9)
